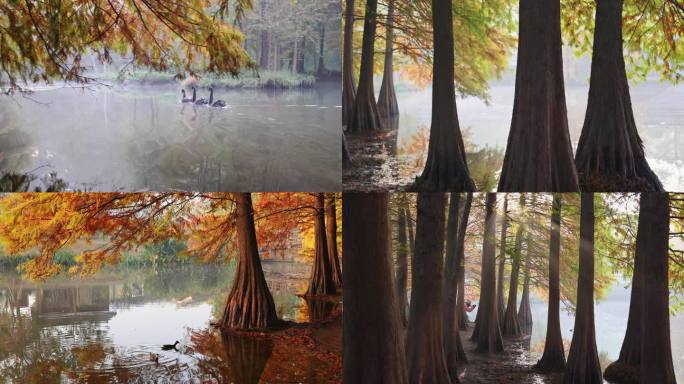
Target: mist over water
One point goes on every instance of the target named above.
(134, 138)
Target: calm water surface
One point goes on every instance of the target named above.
(143, 138)
(109, 328)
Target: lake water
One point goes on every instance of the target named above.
(105, 328)
(611, 322)
(142, 138)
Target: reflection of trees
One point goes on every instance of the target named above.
(321, 309)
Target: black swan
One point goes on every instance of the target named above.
(168, 347)
(201, 101)
(217, 103)
(184, 98)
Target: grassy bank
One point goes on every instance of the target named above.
(264, 80)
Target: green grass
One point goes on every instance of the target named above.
(265, 79)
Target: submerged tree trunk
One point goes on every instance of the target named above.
(553, 358)
(250, 304)
(488, 337)
(402, 263)
(452, 340)
(247, 357)
(502, 260)
(348, 85)
(387, 101)
(539, 153)
(583, 365)
(524, 311)
(372, 347)
(321, 282)
(446, 168)
(331, 237)
(511, 327)
(656, 351)
(364, 116)
(461, 314)
(425, 341)
(610, 153)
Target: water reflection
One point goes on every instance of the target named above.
(143, 138)
(109, 328)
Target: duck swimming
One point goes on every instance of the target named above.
(168, 347)
(217, 103)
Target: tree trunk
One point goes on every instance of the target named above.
(346, 156)
(250, 304)
(583, 365)
(462, 316)
(539, 153)
(446, 168)
(321, 282)
(331, 237)
(511, 327)
(246, 356)
(502, 260)
(387, 101)
(452, 341)
(425, 341)
(488, 337)
(553, 358)
(321, 52)
(372, 347)
(348, 85)
(524, 311)
(364, 116)
(295, 56)
(610, 153)
(656, 351)
(402, 263)
(264, 49)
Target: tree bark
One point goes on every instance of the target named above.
(250, 304)
(488, 336)
(331, 237)
(373, 347)
(656, 351)
(402, 263)
(387, 101)
(539, 153)
(502, 260)
(524, 311)
(425, 341)
(321, 282)
(462, 316)
(610, 153)
(553, 358)
(446, 168)
(452, 341)
(364, 116)
(583, 365)
(348, 85)
(511, 327)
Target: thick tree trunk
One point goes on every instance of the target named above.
(502, 261)
(489, 339)
(656, 351)
(610, 153)
(583, 365)
(387, 101)
(372, 347)
(348, 84)
(524, 311)
(553, 358)
(461, 314)
(425, 341)
(321, 282)
(321, 52)
(446, 168)
(452, 341)
(364, 116)
(402, 261)
(511, 327)
(331, 237)
(250, 304)
(539, 153)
